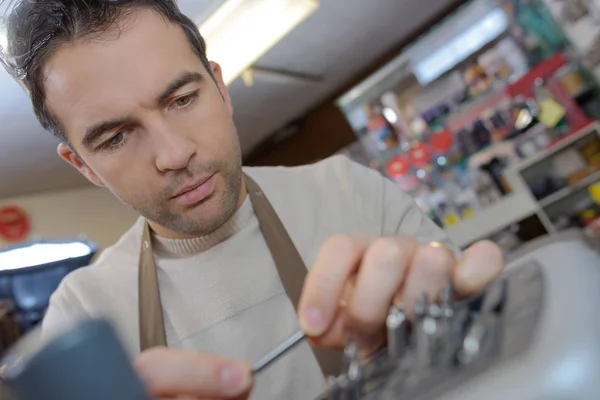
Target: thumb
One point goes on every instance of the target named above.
(174, 373)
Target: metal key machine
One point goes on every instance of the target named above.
(534, 334)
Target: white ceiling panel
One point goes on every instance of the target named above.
(335, 43)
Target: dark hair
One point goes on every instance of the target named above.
(38, 27)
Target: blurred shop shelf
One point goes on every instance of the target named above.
(563, 193)
(484, 223)
(572, 139)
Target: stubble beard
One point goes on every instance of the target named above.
(198, 224)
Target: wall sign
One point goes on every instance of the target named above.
(14, 224)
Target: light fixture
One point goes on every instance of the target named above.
(460, 47)
(241, 31)
(42, 253)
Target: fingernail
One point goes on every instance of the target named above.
(235, 378)
(313, 322)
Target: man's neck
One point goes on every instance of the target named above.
(171, 234)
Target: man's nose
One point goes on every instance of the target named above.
(173, 151)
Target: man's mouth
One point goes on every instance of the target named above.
(195, 192)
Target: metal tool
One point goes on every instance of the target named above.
(422, 340)
(447, 300)
(397, 332)
(355, 373)
(278, 351)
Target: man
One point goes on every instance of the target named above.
(126, 86)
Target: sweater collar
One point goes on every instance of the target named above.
(185, 247)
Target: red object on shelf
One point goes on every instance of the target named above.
(376, 123)
(419, 155)
(441, 141)
(14, 224)
(545, 70)
(397, 167)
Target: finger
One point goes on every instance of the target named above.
(479, 265)
(334, 336)
(337, 260)
(176, 373)
(338, 336)
(430, 270)
(380, 277)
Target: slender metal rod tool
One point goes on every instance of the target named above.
(278, 351)
(397, 332)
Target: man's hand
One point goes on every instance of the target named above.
(354, 281)
(180, 374)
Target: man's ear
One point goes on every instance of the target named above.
(218, 75)
(67, 154)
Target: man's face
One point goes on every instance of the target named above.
(147, 121)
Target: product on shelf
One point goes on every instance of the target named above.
(523, 113)
(485, 189)
(476, 80)
(380, 131)
(415, 122)
(444, 208)
(571, 80)
(495, 168)
(466, 202)
(510, 52)
(534, 140)
(419, 155)
(397, 168)
(551, 112)
(591, 152)
(393, 115)
(495, 64)
(568, 162)
(445, 149)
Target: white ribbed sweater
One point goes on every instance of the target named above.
(221, 293)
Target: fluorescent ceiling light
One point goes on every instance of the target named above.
(41, 253)
(462, 46)
(241, 31)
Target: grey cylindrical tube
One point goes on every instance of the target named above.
(87, 362)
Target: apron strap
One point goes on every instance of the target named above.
(290, 267)
(151, 321)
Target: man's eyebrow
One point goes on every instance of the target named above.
(95, 131)
(182, 80)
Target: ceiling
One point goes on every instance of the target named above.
(336, 43)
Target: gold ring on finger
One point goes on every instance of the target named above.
(440, 245)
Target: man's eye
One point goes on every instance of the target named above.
(185, 101)
(117, 139)
(114, 142)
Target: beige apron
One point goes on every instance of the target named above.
(292, 272)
